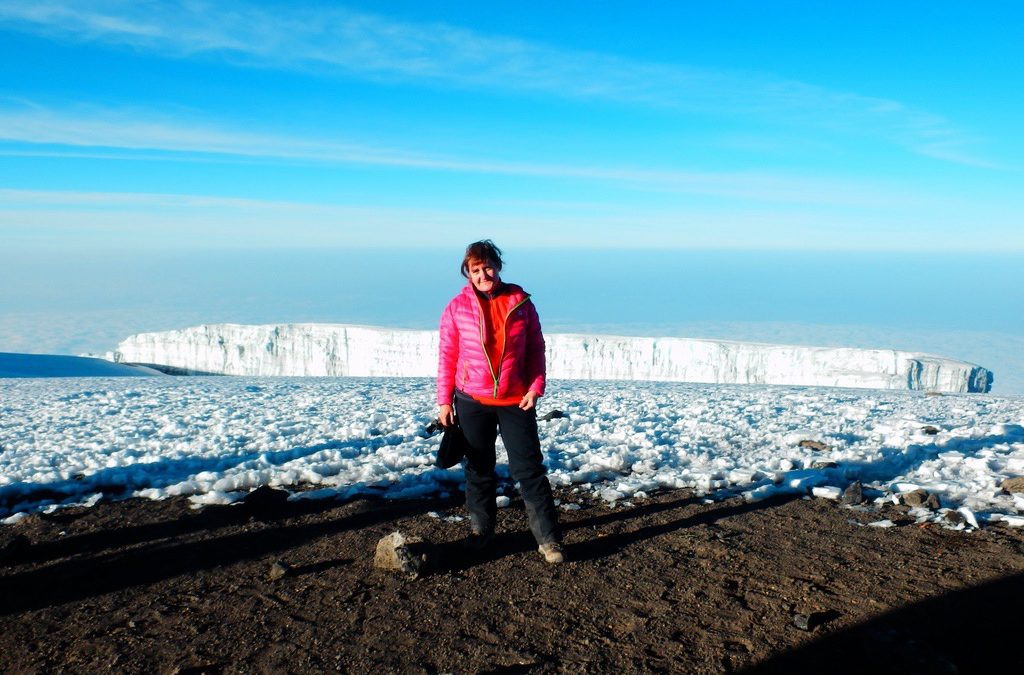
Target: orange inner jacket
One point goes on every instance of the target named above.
(494, 332)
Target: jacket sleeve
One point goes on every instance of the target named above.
(536, 363)
(448, 357)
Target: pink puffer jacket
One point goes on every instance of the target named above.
(463, 360)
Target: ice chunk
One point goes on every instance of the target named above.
(340, 349)
(968, 516)
(742, 476)
(827, 492)
(611, 495)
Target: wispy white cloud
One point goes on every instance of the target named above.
(135, 134)
(137, 130)
(58, 219)
(340, 41)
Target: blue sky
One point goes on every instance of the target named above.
(733, 125)
(852, 170)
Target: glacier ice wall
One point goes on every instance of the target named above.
(345, 350)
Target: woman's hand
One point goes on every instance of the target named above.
(446, 415)
(529, 401)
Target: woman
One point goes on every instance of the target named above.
(491, 367)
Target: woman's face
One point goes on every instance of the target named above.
(484, 275)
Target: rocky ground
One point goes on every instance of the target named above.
(667, 584)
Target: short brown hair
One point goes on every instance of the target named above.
(481, 250)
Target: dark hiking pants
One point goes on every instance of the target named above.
(481, 423)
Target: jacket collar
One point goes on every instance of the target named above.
(513, 291)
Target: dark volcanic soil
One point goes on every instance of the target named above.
(670, 584)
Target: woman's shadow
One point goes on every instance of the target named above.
(455, 557)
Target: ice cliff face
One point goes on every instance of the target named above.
(342, 350)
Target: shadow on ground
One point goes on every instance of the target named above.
(976, 630)
(454, 558)
(91, 570)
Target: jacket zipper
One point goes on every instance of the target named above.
(483, 346)
(504, 341)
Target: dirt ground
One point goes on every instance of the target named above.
(668, 584)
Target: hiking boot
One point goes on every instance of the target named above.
(552, 553)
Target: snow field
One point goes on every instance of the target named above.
(215, 439)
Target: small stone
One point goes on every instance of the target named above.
(1013, 485)
(968, 515)
(853, 494)
(823, 465)
(409, 555)
(552, 415)
(812, 620)
(954, 517)
(279, 570)
(930, 430)
(914, 498)
(933, 393)
(816, 446)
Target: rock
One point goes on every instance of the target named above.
(433, 427)
(816, 446)
(812, 620)
(853, 494)
(279, 570)
(817, 619)
(399, 553)
(914, 498)
(1012, 485)
(933, 393)
(933, 502)
(823, 465)
(954, 517)
(968, 515)
(265, 500)
(552, 415)
(930, 430)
